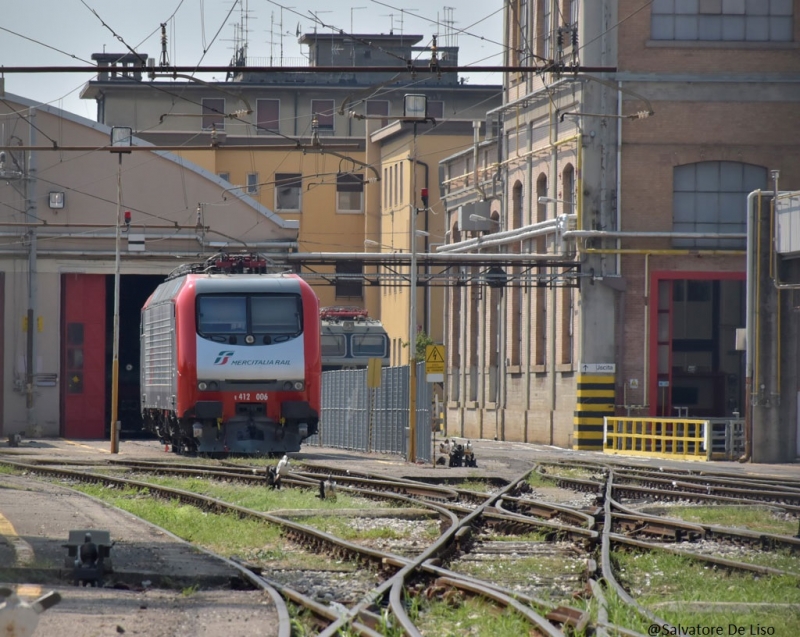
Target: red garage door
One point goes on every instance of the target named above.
(83, 346)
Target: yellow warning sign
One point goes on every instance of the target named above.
(434, 359)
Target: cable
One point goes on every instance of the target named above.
(340, 31)
(118, 37)
(52, 48)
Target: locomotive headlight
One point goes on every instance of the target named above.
(298, 385)
(202, 386)
(213, 386)
(287, 386)
(249, 339)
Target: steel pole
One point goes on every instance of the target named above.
(115, 357)
(412, 323)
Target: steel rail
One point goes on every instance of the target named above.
(602, 610)
(438, 546)
(703, 481)
(320, 610)
(608, 570)
(297, 478)
(717, 561)
(546, 510)
(534, 618)
(342, 547)
(284, 620)
(628, 490)
(519, 523)
(575, 484)
(779, 497)
(711, 531)
(652, 525)
(776, 482)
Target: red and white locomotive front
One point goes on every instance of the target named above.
(247, 363)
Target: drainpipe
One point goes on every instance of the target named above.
(426, 299)
(618, 225)
(553, 187)
(753, 214)
(646, 345)
(527, 359)
(502, 318)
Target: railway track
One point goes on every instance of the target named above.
(470, 522)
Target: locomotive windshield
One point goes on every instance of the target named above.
(333, 345)
(267, 314)
(369, 345)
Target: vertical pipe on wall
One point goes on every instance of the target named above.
(553, 186)
(646, 345)
(776, 278)
(618, 215)
(750, 328)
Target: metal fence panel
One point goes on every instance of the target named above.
(424, 406)
(356, 417)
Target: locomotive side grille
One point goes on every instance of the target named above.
(158, 356)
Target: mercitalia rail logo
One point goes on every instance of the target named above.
(223, 357)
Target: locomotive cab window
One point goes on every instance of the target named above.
(276, 315)
(333, 345)
(273, 315)
(369, 345)
(222, 315)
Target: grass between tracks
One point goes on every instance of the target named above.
(466, 615)
(375, 528)
(225, 534)
(753, 518)
(685, 592)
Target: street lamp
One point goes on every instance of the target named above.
(376, 244)
(553, 200)
(482, 221)
(415, 109)
(120, 143)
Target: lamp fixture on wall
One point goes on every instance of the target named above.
(57, 200)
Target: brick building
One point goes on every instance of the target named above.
(638, 177)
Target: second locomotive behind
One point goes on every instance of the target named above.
(230, 359)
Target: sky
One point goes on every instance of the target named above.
(40, 33)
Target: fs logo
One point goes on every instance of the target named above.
(222, 358)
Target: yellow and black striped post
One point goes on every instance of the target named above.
(595, 401)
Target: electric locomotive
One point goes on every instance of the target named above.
(230, 359)
(350, 338)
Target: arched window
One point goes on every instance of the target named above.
(568, 189)
(711, 196)
(515, 295)
(517, 206)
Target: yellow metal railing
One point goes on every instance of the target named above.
(678, 438)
